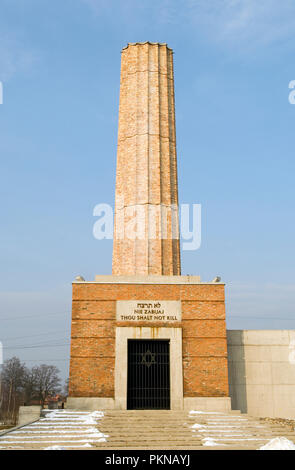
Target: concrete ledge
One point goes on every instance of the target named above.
(148, 279)
(192, 403)
(28, 414)
(207, 404)
(90, 403)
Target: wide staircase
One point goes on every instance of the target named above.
(65, 429)
(187, 430)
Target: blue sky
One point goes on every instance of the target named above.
(60, 68)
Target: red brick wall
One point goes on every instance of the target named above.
(92, 365)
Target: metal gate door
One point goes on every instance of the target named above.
(148, 375)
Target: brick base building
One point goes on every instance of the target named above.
(186, 313)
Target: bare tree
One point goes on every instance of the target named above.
(13, 373)
(29, 385)
(66, 387)
(20, 384)
(47, 382)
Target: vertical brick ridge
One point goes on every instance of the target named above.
(136, 171)
(173, 162)
(146, 183)
(165, 167)
(149, 161)
(169, 246)
(160, 156)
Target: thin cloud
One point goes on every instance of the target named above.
(249, 23)
(14, 57)
(263, 21)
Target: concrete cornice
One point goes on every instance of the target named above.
(110, 279)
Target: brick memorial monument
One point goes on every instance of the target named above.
(147, 337)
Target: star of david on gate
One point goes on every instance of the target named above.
(148, 358)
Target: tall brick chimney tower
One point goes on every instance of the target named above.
(133, 331)
(146, 233)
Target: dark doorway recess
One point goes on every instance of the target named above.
(148, 378)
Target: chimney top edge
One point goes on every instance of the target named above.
(147, 42)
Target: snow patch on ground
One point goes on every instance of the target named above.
(11, 447)
(279, 443)
(221, 430)
(61, 429)
(198, 426)
(54, 448)
(53, 430)
(208, 441)
(87, 441)
(65, 447)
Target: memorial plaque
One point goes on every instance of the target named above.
(149, 310)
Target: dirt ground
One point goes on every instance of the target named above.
(289, 423)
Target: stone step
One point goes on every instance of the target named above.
(148, 444)
(174, 442)
(245, 436)
(203, 428)
(174, 445)
(187, 448)
(198, 436)
(163, 429)
(154, 438)
(148, 413)
(150, 420)
(148, 431)
(144, 425)
(183, 429)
